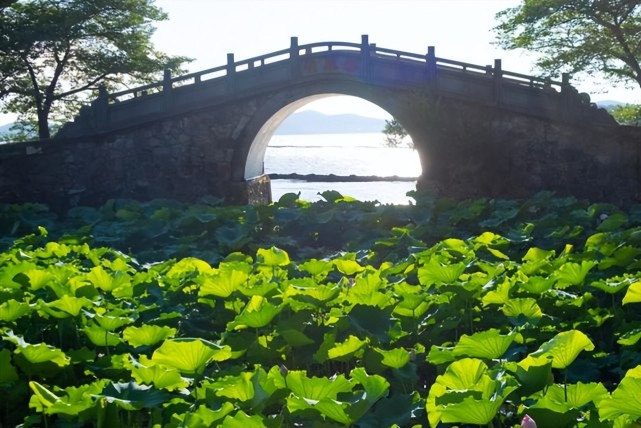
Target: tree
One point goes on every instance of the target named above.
(56, 53)
(602, 36)
(394, 132)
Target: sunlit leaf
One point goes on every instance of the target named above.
(347, 348)
(238, 387)
(69, 305)
(573, 273)
(488, 344)
(565, 347)
(316, 388)
(395, 358)
(633, 295)
(347, 267)
(147, 335)
(190, 356)
(243, 420)
(625, 399)
(258, 312)
(434, 272)
(100, 336)
(11, 310)
(222, 282)
(38, 353)
(272, 256)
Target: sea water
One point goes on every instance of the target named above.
(342, 154)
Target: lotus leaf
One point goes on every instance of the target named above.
(189, 356)
(565, 347)
(147, 335)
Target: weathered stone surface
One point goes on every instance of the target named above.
(489, 144)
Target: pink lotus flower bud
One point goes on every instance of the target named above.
(527, 422)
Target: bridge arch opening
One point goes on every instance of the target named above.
(333, 142)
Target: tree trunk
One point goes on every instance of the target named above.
(43, 125)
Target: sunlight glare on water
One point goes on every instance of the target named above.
(342, 154)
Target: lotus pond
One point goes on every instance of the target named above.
(328, 314)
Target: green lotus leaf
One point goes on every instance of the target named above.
(222, 282)
(371, 320)
(332, 409)
(162, 377)
(147, 335)
(243, 420)
(11, 310)
(187, 266)
(630, 338)
(433, 272)
(395, 358)
(534, 374)
(40, 353)
(535, 254)
(100, 336)
(68, 305)
(441, 355)
(571, 273)
(348, 267)
(625, 400)
(526, 309)
(239, 387)
(375, 386)
(537, 284)
(132, 396)
(347, 348)
(472, 411)
(39, 278)
(258, 312)
(108, 281)
(563, 398)
(500, 295)
(316, 267)
(44, 395)
(488, 344)
(633, 294)
(203, 416)
(272, 256)
(316, 388)
(189, 356)
(565, 347)
(8, 372)
(613, 222)
(462, 374)
(613, 285)
(113, 320)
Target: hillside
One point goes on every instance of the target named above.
(314, 122)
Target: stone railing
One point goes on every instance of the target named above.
(506, 89)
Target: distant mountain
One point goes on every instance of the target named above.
(608, 104)
(314, 122)
(5, 128)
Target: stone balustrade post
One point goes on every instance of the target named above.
(430, 62)
(367, 59)
(498, 80)
(167, 87)
(294, 57)
(231, 73)
(101, 105)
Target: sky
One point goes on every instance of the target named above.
(206, 30)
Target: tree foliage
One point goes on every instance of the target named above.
(628, 114)
(54, 53)
(591, 36)
(395, 133)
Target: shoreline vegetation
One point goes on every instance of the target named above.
(332, 178)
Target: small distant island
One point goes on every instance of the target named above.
(314, 122)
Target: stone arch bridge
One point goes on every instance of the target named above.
(479, 130)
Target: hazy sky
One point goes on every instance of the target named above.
(207, 30)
